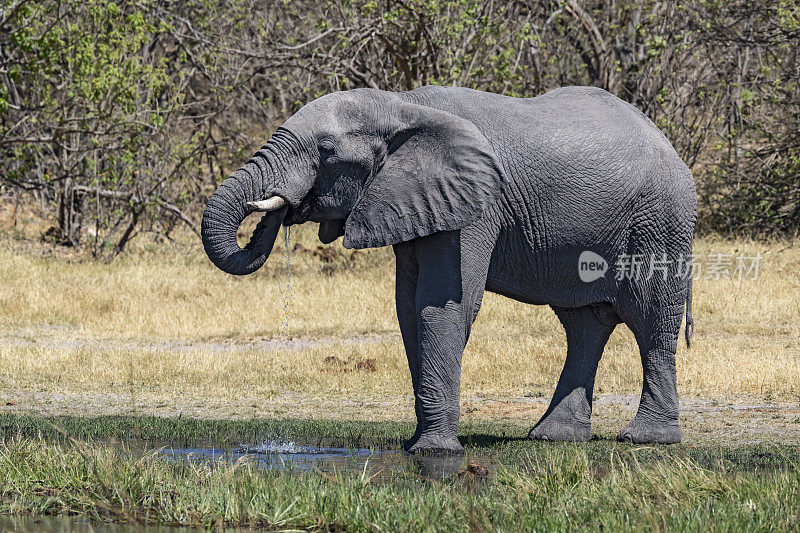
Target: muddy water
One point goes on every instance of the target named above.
(288, 454)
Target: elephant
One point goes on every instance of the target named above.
(477, 191)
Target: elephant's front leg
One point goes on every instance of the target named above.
(451, 276)
(407, 273)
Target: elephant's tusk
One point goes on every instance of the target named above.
(270, 204)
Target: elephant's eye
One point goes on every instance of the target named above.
(327, 152)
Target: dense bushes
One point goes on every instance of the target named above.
(120, 117)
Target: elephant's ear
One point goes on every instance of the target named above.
(440, 174)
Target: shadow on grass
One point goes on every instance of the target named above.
(482, 440)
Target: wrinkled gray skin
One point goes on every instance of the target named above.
(475, 192)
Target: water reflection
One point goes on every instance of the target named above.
(437, 466)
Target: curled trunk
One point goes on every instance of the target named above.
(276, 178)
(226, 210)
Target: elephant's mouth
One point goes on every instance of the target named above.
(297, 215)
(330, 230)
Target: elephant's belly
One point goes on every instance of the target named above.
(513, 291)
(546, 279)
(515, 272)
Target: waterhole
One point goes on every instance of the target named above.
(293, 455)
(285, 455)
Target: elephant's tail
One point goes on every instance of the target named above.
(689, 330)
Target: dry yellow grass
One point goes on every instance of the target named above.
(76, 325)
(181, 295)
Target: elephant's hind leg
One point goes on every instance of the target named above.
(568, 417)
(656, 420)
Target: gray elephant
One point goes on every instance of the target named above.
(478, 191)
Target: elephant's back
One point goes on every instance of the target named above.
(582, 120)
(578, 159)
(580, 131)
(582, 160)
(606, 155)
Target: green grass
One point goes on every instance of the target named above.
(196, 431)
(532, 485)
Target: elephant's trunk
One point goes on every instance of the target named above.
(265, 175)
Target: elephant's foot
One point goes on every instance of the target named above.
(650, 432)
(552, 428)
(433, 443)
(567, 421)
(656, 420)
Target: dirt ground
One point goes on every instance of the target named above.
(733, 419)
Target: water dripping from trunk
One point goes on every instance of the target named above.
(287, 293)
(286, 330)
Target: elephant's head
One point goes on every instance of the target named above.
(366, 164)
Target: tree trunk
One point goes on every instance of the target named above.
(70, 214)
